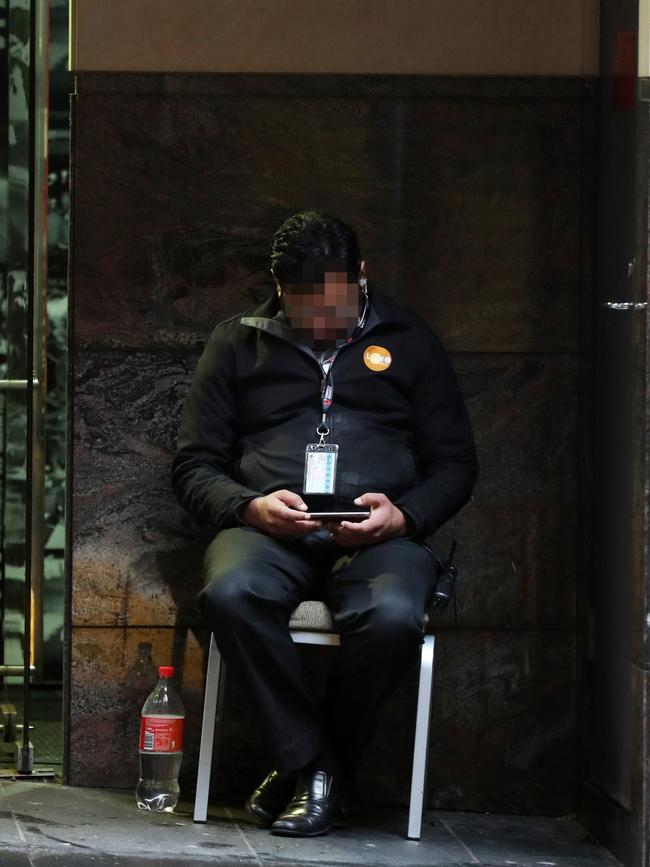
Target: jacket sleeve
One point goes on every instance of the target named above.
(203, 469)
(444, 443)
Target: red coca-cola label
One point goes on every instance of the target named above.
(161, 734)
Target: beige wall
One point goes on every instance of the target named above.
(454, 37)
(644, 38)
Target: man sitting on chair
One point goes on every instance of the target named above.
(328, 397)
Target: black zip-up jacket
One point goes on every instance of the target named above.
(255, 403)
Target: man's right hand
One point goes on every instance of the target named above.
(280, 514)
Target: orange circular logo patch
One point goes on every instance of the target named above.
(377, 358)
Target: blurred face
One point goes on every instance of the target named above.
(321, 301)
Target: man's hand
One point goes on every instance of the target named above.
(280, 514)
(386, 521)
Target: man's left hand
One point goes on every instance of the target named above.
(386, 521)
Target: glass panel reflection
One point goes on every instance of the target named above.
(16, 364)
(32, 621)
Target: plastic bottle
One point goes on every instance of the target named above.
(161, 746)
(139, 680)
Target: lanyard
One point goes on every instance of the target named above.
(327, 382)
(326, 393)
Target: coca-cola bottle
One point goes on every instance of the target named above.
(161, 746)
(139, 680)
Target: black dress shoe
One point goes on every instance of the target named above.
(314, 807)
(349, 797)
(271, 796)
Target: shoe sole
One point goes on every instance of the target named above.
(286, 832)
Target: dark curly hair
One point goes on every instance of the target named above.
(312, 235)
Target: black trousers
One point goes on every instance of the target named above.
(377, 596)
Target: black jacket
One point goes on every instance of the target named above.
(254, 404)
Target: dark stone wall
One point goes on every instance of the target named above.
(472, 198)
(614, 797)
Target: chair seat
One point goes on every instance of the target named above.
(312, 616)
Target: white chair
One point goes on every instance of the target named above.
(311, 623)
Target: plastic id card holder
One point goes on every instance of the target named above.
(320, 468)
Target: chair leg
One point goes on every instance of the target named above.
(418, 777)
(213, 677)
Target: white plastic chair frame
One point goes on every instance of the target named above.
(215, 681)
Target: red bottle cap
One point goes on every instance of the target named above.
(166, 671)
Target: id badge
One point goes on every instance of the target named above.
(320, 468)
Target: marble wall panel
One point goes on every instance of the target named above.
(518, 546)
(502, 728)
(468, 208)
(107, 693)
(137, 554)
(502, 736)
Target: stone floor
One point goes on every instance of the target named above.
(45, 824)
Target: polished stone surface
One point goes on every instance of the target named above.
(468, 207)
(107, 692)
(135, 552)
(502, 726)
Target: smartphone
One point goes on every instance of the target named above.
(340, 516)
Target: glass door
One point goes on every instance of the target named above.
(30, 685)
